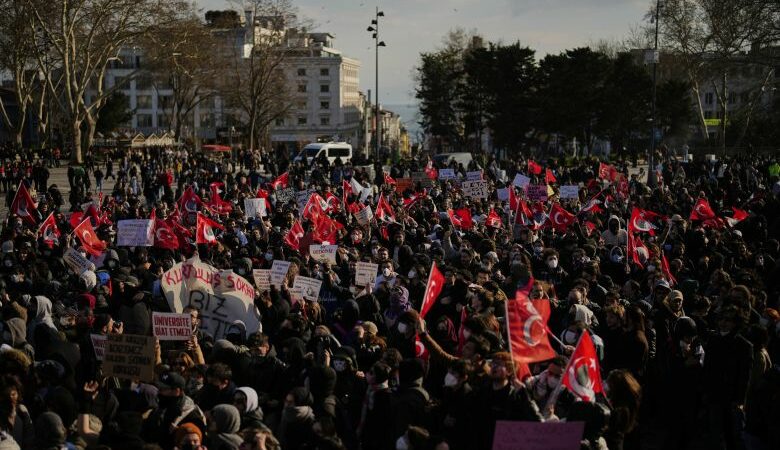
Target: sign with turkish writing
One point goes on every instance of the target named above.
(446, 174)
(135, 233)
(474, 176)
(262, 279)
(476, 189)
(570, 191)
(283, 196)
(537, 192)
(521, 180)
(279, 270)
(221, 296)
(172, 326)
(310, 287)
(364, 216)
(365, 273)
(129, 356)
(254, 207)
(77, 263)
(323, 253)
(99, 345)
(511, 435)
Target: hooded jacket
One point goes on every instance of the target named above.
(253, 416)
(227, 422)
(42, 317)
(618, 238)
(18, 330)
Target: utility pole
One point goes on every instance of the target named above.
(374, 27)
(651, 176)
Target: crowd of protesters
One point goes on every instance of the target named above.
(685, 325)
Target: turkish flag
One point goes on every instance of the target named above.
(281, 181)
(383, 210)
(583, 375)
(89, 240)
(527, 328)
(702, 211)
(388, 178)
(313, 208)
(493, 219)
(332, 202)
(205, 230)
(560, 219)
(164, 236)
(326, 230)
(533, 167)
(432, 289)
(49, 231)
(738, 216)
(466, 222)
(189, 201)
(262, 193)
(216, 203)
(514, 202)
(23, 205)
(635, 247)
(665, 269)
(431, 171)
(549, 177)
(294, 236)
(640, 221)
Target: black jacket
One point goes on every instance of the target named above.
(727, 364)
(490, 405)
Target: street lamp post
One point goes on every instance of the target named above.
(374, 27)
(651, 175)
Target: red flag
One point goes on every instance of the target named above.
(313, 208)
(608, 172)
(432, 289)
(216, 203)
(527, 329)
(205, 230)
(23, 205)
(189, 201)
(294, 236)
(262, 193)
(583, 375)
(431, 171)
(533, 167)
(493, 219)
(560, 219)
(738, 216)
(513, 200)
(49, 231)
(666, 271)
(388, 178)
(383, 210)
(702, 211)
(89, 240)
(640, 221)
(420, 351)
(333, 204)
(326, 230)
(466, 221)
(549, 177)
(164, 236)
(281, 181)
(635, 248)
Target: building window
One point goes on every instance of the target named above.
(324, 120)
(144, 120)
(325, 72)
(302, 105)
(279, 122)
(708, 98)
(302, 121)
(143, 101)
(301, 88)
(122, 82)
(143, 82)
(164, 101)
(324, 105)
(324, 88)
(301, 72)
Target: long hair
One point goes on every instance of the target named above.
(625, 395)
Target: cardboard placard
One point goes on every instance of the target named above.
(99, 345)
(172, 326)
(521, 180)
(129, 356)
(135, 233)
(447, 174)
(262, 279)
(537, 192)
(364, 216)
(365, 273)
(570, 191)
(221, 296)
(474, 176)
(254, 207)
(510, 435)
(402, 184)
(279, 270)
(476, 189)
(502, 194)
(283, 196)
(323, 253)
(310, 287)
(77, 263)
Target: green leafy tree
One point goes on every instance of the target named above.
(438, 77)
(625, 101)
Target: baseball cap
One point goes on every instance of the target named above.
(663, 283)
(170, 380)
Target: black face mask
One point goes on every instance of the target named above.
(167, 401)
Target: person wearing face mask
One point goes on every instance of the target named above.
(387, 275)
(542, 386)
(455, 408)
(614, 234)
(174, 408)
(552, 272)
(372, 429)
(349, 391)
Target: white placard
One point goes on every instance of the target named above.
(502, 194)
(262, 279)
(570, 191)
(364, 216)
(99, 345)
(279, 270)
(77, 263)
(310, 287)
(365, 273)
(172, 326)
(254, 207)
(474, 176)
(135, 233)
(521, 180)
(323, 253)
(475, 189)
(446, 174)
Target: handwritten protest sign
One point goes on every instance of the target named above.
(129, 356)
(77, 263)
(521, 180)
(476, 189)
(172, 326)
(262, 279)
(474, 176)
(365, 273)
(446, 174)
(364, 216)
(310, 287)
(402, 184)
(510, 435)
(99, 345)
(502, 194)
(570, 191)
(323, 253)
(283, 196)
(135, 233)
(537, 192)
(221, 296)
(254, 207)
(302, 197)
(279, 270)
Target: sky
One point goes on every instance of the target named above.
(410, 27)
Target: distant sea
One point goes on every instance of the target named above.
(409, 117)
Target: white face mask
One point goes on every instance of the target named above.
(402, 328)
(724, 333)
(450, 380)
(269, 256)
(570, 337)
(401, 444)
(386, 272)
(412, 274)
(552, 263)
(339, 365)
(650, 268)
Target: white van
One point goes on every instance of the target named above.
(331, 150)
(444, 159)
